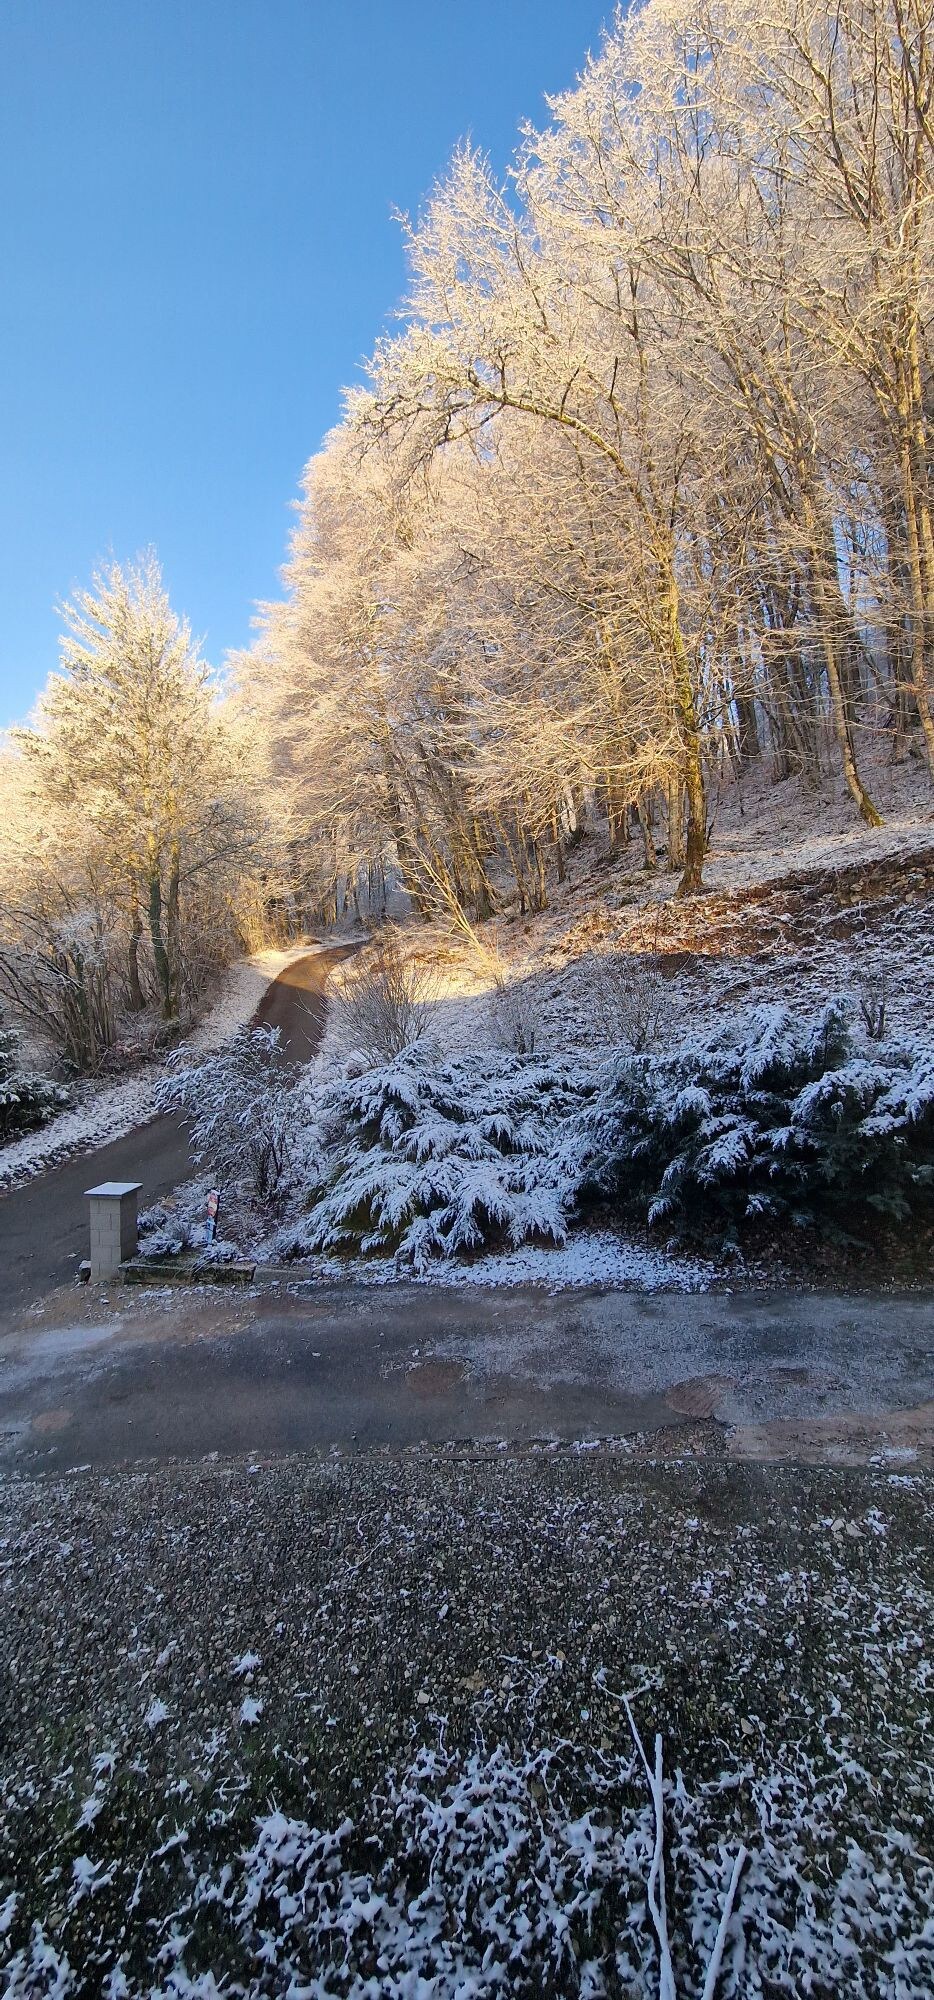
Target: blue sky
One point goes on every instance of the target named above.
(197, 251)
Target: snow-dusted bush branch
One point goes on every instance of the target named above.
(768, 1117)
(515, 1019)
(433, 1159)
(237, 1109)
(26, 1100)
(773, 1116)
(629, 999)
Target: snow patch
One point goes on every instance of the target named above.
(244, 987)
(594, 1259)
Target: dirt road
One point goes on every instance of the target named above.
(44, 1226)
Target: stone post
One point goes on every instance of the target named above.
(113, 1225)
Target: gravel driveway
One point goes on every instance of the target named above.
(338, 1726)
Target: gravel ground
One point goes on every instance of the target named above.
(334, 1726)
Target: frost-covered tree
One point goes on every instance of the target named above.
(641, 493)
(237, 1111)
(132, 769)
(61, 950)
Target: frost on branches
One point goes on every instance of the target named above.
(26, 1100)
(771, 1116)
(238, 1111)
(434, 1158)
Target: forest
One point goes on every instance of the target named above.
(637, 500)
(640, 495)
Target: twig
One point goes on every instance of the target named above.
(656, 1883)
(713, 1967)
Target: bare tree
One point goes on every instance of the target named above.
(384, 1000)
(642, 490)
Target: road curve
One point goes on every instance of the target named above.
(44, 1225)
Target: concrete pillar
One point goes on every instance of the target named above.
(113, 1225)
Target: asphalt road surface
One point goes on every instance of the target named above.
(295, 1003)
(106, 1376)
(44, 1225)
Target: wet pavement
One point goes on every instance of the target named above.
(105, 1377)
(102, 1376)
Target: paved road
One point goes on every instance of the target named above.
(44, 1226)
(102, 1378)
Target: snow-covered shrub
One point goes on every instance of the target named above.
(166, 1231)
(432, 1158)
(236, 1106)
(870, 984)
(26, 1100)
(772, 1116)
(384, 1001)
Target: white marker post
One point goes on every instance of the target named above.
(113, 1225)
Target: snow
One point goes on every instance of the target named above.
(109, 1112)
(773, 844)
(595, 1258)
(435, 1156)
(103, 1115)
(512, 1870)
(91, 1809)
(88, 1876)
(433, 1159)
(243, 990)
(496, 1846)
(247, 1664)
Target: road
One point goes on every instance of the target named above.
(105, 1377)
(44, 1225)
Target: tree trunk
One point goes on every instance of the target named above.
(918, 618)
(159, 953)
(675, 823)
(558, 847)
(747, 729)
(644, 811)
(825, 589)
(136, 999)
(692, 761)
(173, 935)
